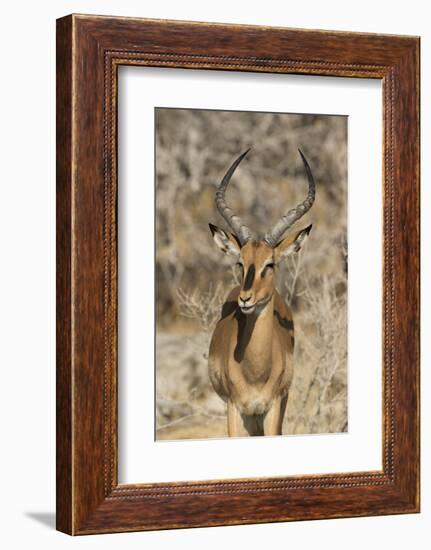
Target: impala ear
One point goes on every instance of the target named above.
(291, 244)
(227, 242)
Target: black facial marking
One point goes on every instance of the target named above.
(249, 278)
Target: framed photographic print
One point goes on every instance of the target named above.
(237, 274)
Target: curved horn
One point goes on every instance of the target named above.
(293, 215)
(241, 231)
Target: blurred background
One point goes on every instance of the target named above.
(194, 148)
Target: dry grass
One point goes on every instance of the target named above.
(193, 150)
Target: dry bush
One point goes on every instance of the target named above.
(318, 397)
(186, 404)
(194, 148)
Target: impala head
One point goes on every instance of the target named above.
(257, 258)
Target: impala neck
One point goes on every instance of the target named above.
(254, 343)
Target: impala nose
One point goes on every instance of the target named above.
(244, 302)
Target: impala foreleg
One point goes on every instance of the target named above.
(235, 424)
(273, 420)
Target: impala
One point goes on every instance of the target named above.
(251, 351)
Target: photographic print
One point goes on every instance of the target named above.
(251, 274)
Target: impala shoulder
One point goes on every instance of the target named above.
(233, 294)
(231, 304)
(215, 372)
(282, 313)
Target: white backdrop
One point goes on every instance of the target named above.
(27, 308)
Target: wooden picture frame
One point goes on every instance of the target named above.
(89, 52)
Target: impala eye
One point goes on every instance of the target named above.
(267, 268)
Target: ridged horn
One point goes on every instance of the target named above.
(241, 231)
(293, 215)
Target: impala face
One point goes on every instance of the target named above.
(256, 269)
(256, 261)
